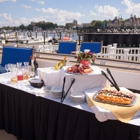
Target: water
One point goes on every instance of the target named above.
(74, 36)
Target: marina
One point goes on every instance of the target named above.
(79, 76)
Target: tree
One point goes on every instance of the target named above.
(30, 27)
(22, 27)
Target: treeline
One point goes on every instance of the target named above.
(43, 25)
(49, 25)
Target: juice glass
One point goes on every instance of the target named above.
(14, 78)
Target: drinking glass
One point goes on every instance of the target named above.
(31, 72)
(14, 78)
(26, 64)
(6, 67)
(19, 64)
(19, 71)
(10, 67)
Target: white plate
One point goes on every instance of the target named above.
(54, 96)
(77, 97)
(78, 73)
(80, 102)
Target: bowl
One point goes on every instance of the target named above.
(36, 82)
(77, 97)
(56, 92)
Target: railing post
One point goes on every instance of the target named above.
(112, 50)
(108, 48)
(126, 53)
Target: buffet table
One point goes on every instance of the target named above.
(53, 77)
(31, 114)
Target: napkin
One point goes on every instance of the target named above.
(124, 114)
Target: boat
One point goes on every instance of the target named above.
(19, 39)
(38, 40)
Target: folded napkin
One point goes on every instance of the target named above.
(124, 114)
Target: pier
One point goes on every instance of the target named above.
(122, 39)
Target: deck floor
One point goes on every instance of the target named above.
(5, 136)
(133, 67)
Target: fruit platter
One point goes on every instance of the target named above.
(79, 69)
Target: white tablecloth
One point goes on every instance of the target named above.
(84, 82)
(101, 114)
(50, 76)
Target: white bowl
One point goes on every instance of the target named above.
(56, 92)
(78, 97)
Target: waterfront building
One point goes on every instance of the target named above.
(115, 23)
(72, 24)
(85, 24)
(75, 22)
(132, 22)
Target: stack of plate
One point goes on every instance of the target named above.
(56, 92)
(78, 97)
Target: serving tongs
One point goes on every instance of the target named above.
(63, 96)
(113, 82)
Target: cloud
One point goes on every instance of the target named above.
(26, 7)
(93, 13)
(105, 11)
(7, 0)
(37, 9)
(62, 16)
(38, 1)
(41, 2)
(132, 8)
(26, 21)
(6, 17)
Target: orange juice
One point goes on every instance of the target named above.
(25, 76)
(14, 80)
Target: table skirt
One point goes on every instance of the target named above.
(29, 117)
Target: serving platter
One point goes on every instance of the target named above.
(77, 73)
(107, 102)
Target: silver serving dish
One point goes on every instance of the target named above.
(106, 102)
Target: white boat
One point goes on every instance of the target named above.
(38, 40)
(19, 39)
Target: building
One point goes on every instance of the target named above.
(75, 23)
(85, 24)
(132, 22)
(116, 23)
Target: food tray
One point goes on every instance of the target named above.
(78, 73)
(97, 100)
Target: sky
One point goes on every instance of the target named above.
(17, 12)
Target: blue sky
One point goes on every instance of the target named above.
(17, 12)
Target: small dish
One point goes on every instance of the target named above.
(78, 97)
(36, 82)
(56, 92)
